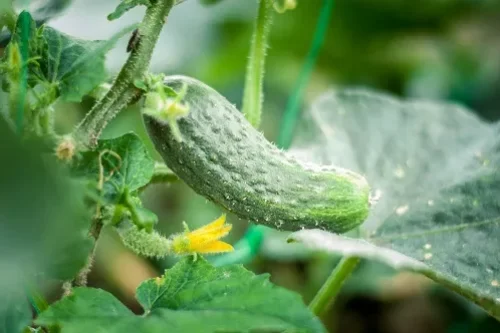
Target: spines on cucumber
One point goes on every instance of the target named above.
(222, 157)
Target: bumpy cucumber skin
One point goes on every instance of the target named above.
(223, 158)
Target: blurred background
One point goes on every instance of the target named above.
(435, 49)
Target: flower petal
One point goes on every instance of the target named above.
(211, 226)
(215, 247)
(209, 236)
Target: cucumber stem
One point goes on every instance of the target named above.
(292, 110)
(123, 91)
(329, 290)
(254, 78)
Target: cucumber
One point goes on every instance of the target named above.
(222, 157)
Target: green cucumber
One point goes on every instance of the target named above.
(222, 157)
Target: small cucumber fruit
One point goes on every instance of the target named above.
(222, 157)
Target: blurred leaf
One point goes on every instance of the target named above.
(210, 2)
(126, 165)
(15, 312)
(74, 67)
(43, 10)
(6, 15)
(190, 297)
(43, 226)
(434, 169)
(125, 6)
(44, 222)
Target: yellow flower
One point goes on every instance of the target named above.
(204, 240)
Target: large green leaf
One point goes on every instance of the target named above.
(71, 66)
(433, 168)
(43, 225)
(190, 297)
(91, 310)
(228, 298)
(125, 162)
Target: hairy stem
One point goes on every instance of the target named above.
(293, 106)
(122, 92)
(253, 94)
(329, 290)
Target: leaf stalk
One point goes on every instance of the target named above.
(330, 289)
(254, 78)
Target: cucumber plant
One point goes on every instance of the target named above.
(77, 184)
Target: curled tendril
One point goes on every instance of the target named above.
(102, 179)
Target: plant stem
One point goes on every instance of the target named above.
(293, 106)
(253, 91)
(123, 91)
(326, 295)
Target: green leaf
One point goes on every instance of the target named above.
(43, 225)
(125, 6)
(126, 165)
(90, 310)
(74, 67)
(433, 168)
(229, 298)
(190, 297)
